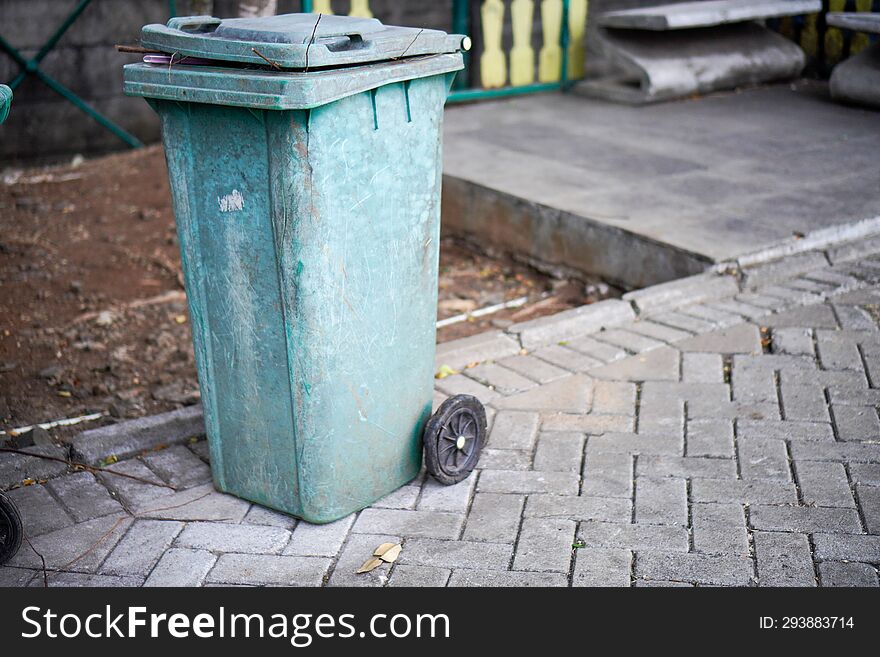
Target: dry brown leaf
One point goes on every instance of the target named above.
(370, 564)
(382, 549)
(391, 554)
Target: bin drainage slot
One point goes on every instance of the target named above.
(375, 113)
(406, 98)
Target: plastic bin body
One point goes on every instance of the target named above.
(310, 245)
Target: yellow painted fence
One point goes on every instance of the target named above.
(521, 65)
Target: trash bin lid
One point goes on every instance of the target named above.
(297, 41)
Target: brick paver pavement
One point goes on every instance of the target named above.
(734, 441)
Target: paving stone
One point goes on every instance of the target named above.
(499, 378)
(839, 355)
(763, 458)
(857, 423)
(459, 384)
(201, 503)
(698, 568)
(853, 250)
(631, 342)
(804, 519)
(824, 484)
(501, 459)
(475, 349)
(869, 502)
(634, 536)
(15, 577)
(565, 358)
(43, 513)
(683, 322)
(319, 540)
(793, 341)
(572, 323)
(508, 578)
(265, 569)
(738, 307)
(816, 316)
(785, 430)
(783, 559)
(773, 304)
(223, 537)
(607, 474)
(866, 474)
(702, 368)
(707, 409)
(545, 545)
(743, 492)
(573, 394)
(456, 554)
(505, 481)
(433, 524)
(686, 467)
(357, 550)
(843, 547)
(849, 396)
(580, 508)
(659, 332)
(631, 443)
(713, 438)
(754, 386)
(534, 368)
(86, 580)
(141, 548)
(738, 339)
(590, 424)
(805, 403)
(260, 515)
(494, 517)
(559, 452)
(136, 495)
(178, 466)
(84, 497)
(80, 547)
(662, 583)
(602, 567)
(849, 452)
(720, 529)
(661, 501)
(514, 430)
(656, 365)
(855, 318)
(437, 497)
(718, 318)
(15, 468)
(418, 576)
(847, 573)
(601, 352)
(201, 449)
(614, 398)
(790, 296)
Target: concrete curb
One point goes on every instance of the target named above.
(130, 438)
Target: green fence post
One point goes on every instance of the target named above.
(564, 38)
(307, 6)
(461, 24)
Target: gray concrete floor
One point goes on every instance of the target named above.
(719, 177)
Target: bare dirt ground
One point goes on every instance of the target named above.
(92, 309)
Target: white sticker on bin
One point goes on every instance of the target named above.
(233, 202)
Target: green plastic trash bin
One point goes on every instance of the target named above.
(304, 159)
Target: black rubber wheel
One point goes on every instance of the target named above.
(454, 438)
(10, 529)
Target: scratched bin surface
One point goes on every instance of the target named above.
(309, 234)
